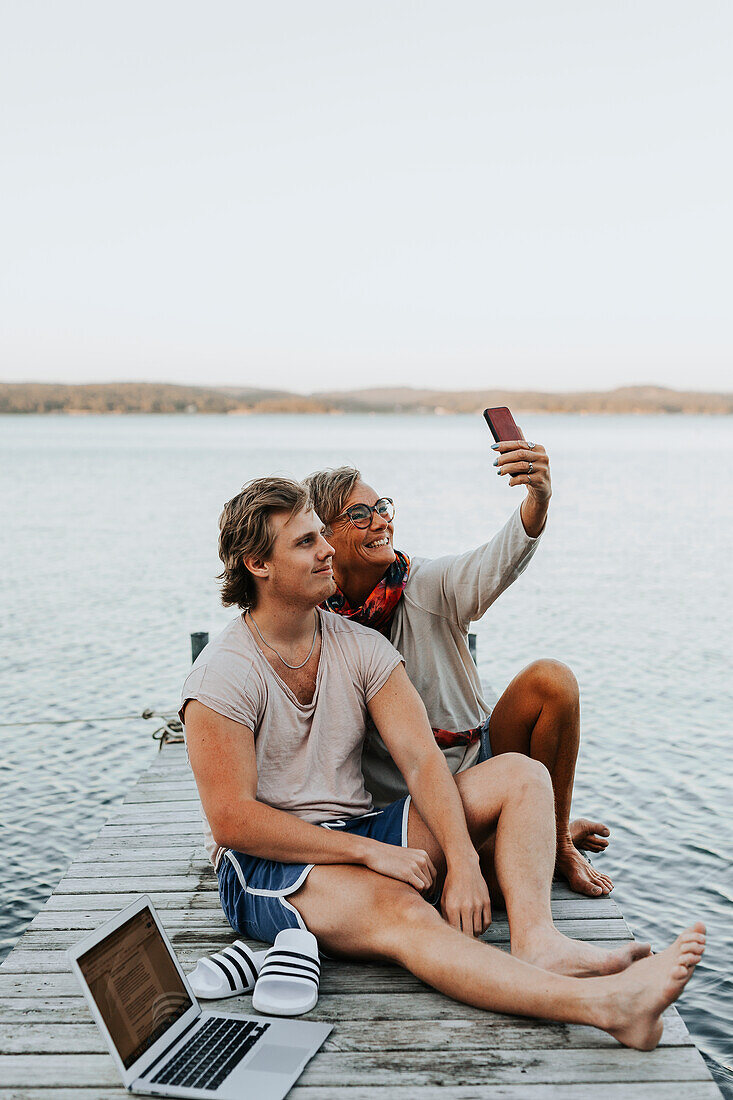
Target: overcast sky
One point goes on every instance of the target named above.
(312, 195)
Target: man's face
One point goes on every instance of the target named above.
(356, 547)
(299, 564)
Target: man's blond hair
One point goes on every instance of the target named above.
(245, 531)
(330, 489)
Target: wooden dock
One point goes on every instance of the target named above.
(393, 1039)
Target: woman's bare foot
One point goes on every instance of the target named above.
(589, 836)
(578, 872)
(550, 950)
(632, 1003)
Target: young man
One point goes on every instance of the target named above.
(275, 711)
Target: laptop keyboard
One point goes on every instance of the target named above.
(218, 1047)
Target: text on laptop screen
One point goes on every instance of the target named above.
(135, 985)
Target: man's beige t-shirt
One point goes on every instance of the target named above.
(308, 755)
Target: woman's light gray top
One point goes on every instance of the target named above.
(441, 599)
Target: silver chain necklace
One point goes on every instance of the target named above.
(310, 654)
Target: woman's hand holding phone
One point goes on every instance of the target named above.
(524, 463)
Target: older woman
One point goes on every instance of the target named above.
(425, 608)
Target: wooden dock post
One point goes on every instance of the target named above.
(198, 641)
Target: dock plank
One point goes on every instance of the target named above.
(423, 1033)
(419, 1045)
(449, 1068)
(383, 979)
(629, 1090)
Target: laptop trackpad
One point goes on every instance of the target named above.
(272, 1058)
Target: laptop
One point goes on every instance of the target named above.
(161, 1041)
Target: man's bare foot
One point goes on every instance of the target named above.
(589, 836)
(632, 1003)
(579, 874)
(550, 950)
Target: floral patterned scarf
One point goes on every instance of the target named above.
(378, 611)
(380, 605)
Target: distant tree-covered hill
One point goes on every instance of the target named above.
(151, 397)
(112, 397)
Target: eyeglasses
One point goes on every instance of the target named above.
(361, 514)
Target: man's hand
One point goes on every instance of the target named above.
(527, 464)
(399, 715)
(465, 902)
(410, 865)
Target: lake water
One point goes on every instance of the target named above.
(108, 545)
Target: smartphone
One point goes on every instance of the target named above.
(502, 424)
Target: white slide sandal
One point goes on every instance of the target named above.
(288, 981)
(227, 973)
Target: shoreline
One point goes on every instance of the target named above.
(130, 398)
(520, 410)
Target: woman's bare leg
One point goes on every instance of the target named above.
(511, 799)
(539, 715)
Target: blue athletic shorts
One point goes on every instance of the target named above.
(254, 892)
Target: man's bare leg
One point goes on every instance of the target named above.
(539, 715)
(511, 799)
(359, 914)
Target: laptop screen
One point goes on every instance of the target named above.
(135, 985)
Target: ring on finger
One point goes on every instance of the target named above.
(531, 446)
(531, 468)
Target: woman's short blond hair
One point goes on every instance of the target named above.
(330, 489)
(245, 531)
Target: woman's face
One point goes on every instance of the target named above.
(360, 547)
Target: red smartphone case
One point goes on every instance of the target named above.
(502, 424)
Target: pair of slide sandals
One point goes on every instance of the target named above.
(284, 978)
